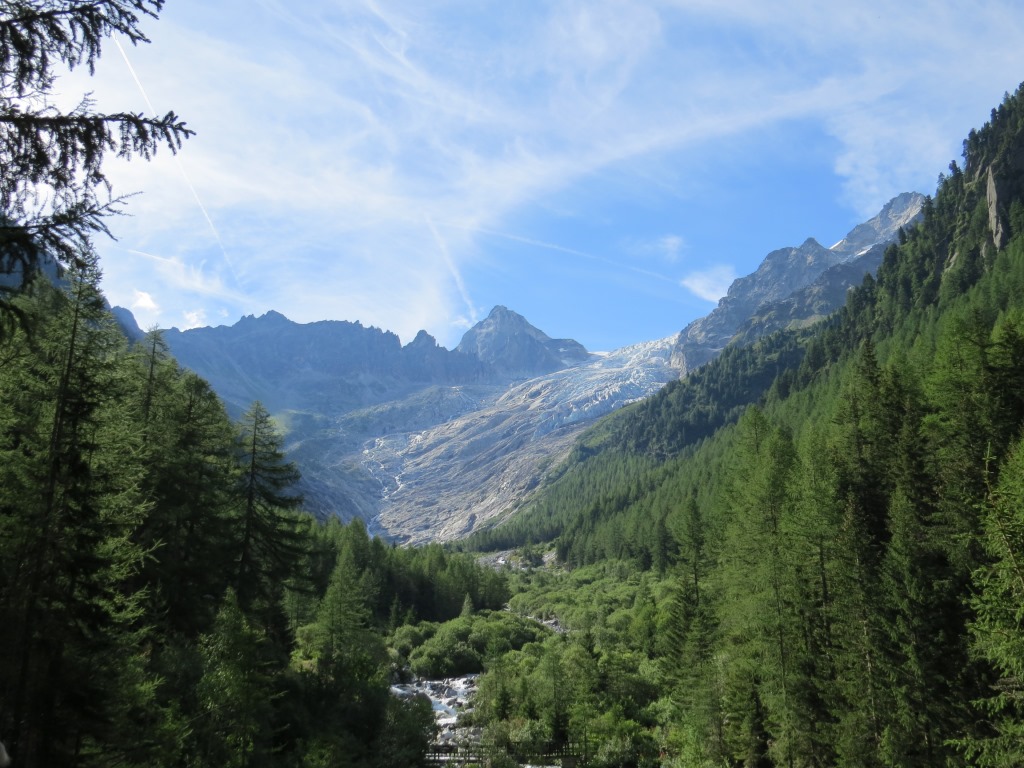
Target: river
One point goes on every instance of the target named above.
(449, 698)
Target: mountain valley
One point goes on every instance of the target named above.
(430, 444)
(789, 535)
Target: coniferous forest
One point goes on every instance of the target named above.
(809, 552)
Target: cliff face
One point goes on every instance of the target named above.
(813, 302)
(1003, 182)
(994, 168)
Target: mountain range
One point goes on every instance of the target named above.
(794, 286)
(426, 443)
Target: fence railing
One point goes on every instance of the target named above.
(569, 755)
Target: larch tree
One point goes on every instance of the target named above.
(190, 469)
(235, 693)
(268, 543)
(70, 503)
(998, 628)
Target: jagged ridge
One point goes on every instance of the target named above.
(783, 273)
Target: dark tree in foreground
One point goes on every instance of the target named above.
(69, 503)
(54, 193)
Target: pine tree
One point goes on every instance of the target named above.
(54, 193)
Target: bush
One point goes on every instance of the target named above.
(461, 646)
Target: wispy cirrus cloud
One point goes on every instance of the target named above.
(667, 249)
(350, 158)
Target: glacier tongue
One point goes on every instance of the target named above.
(444, 481)
(590, 390)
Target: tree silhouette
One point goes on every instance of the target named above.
(54, 192)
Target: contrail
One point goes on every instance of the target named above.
(177, 161)
(572, 252)
(456, 275)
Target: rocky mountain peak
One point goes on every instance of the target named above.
(901, 211)
(423, 340)
(785, 272)
(272, 317)
(501, 313)
(507, 342)
(502, 321)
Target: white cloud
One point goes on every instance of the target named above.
(141, 303)
(710, 284)
(144, 301)
(195, 318)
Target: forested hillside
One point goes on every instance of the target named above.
(162, 602)
(833, 577)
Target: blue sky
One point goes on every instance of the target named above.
(603, 167)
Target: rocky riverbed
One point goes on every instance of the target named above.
(449, 698)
